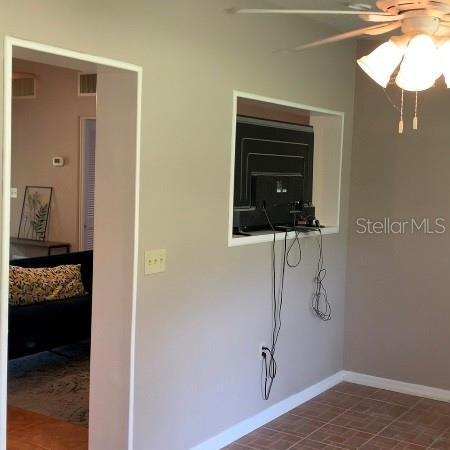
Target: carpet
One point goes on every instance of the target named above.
(54, 383)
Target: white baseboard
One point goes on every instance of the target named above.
(397, 386)
(246, 426)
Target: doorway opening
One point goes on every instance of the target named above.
(67, 326)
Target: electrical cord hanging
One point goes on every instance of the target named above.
(296, 240)
(320, 304)
(269, 363)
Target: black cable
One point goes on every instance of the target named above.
(320, 304)
(269, 363)
(295, 241)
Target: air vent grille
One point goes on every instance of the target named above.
(24, 88)
(87, 84)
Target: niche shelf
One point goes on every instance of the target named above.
(328, 135)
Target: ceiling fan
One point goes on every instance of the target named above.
(421, 53)
(412, 16)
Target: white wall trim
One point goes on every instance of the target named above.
(288, 103)
(135, 259)
(246, 426)
(9, 43)
(397, 386)
(94, 59)
(5, 235)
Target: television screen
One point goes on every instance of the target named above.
(273, 173)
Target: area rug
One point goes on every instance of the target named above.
(54, 383)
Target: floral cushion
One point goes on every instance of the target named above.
(40, 284)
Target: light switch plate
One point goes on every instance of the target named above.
(155, 261)
(58, 161)
(13, 192)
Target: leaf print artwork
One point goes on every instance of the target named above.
(35, 213)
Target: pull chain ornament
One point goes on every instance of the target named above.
(415, 120)
(400, 124)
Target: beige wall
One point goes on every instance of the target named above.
(397, 289)
(48, 126)
(200, 324)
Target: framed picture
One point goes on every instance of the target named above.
(35, 213)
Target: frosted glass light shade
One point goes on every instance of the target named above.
(381, 63)
(421, 65)
(444, 53)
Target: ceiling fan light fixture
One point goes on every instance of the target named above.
(381, 63)
(421, 66)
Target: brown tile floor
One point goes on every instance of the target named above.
(351, 416)
(31, 431)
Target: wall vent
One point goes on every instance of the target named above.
(87, 84)
(23, 87)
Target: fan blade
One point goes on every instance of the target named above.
(373, 30)
(307, 11)
(380, 18)
(385, 28)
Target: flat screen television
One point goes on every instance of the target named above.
(273, 174)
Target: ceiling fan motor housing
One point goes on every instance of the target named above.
(430, 17)
(420, 24)
(402, 6)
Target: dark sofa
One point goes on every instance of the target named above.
(43, 326)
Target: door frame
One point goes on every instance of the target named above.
(81, 182)
(9, 43)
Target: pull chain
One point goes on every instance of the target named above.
(400, 124)
(415, 120)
